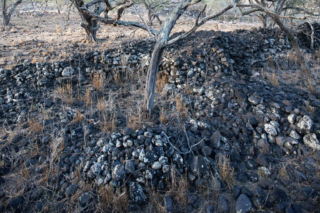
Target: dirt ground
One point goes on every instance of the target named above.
(37, 36)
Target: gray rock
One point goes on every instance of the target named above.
(254, 100)
(215, 139)
(243, 204)
(292, 141)
(67, 72)
(168, 202)
(294, 135)
(198, 165)
(280, 141)
(136, 193)
(130, 167)
(156, 165)
(210, 209)
(292, 118)
(84, 199)
(71, 190)
(96, 168)
(311, 141)
(270, 129)
(264, 146)
(305, 123)
(118, 172)
(223, 206)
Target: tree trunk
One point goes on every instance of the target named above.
(152, 77)
(7, 15)
(304, 66)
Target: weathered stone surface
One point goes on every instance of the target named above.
(311, 141)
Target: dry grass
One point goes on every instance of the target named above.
(56, 148)
(102, 105)
(109, 124)
(98, 81)
(80, 117)
(274, 79)
(113, 200)
(34, 126)
(181, 107)
(65, 93)
(163, 117)
(87, 97)
(226, 172)
(34, 60)
(162, 79)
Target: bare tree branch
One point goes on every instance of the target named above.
(197, 24)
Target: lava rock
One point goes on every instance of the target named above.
(85, 199)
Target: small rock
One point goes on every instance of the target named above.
(223, 206)
(292, 118)
(243, 204)
(71, 190)
(118, 172)
(136, 193)
(305, 123)
(67, 72)
(84, 199)
(168, 202)
(254, 100)
(311, 141)
(270, 129)
(156, 165)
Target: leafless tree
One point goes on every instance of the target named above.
(8, 10)
(90, 18)
(161, 37)
(277, 17)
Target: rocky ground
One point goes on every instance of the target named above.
(234, 128)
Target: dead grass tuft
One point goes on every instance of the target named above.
(162, 79)
(65, 93)
(181, 107)
(274, 79)
(113, 200)
(34, 126)
(226, 172)
(98, 81)
(87, 97)
(163, 117)
(102, 105)
(34, 60)
(79, 117)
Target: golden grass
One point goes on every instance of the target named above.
(98, 81)
(226, 172)
(162, 79)
(65, 93)
(113, 200)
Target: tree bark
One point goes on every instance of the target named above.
(152, 76)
